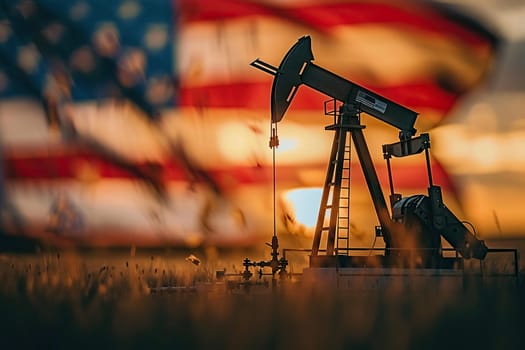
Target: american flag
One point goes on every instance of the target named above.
(142, 122)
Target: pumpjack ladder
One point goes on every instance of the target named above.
(335, 200)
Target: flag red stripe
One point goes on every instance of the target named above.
(69, 166)
(325, 16)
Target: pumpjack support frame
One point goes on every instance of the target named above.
(347, 122)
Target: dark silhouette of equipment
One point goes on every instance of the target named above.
(277, 265)
(412, 235)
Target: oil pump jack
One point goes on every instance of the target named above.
(412, 234)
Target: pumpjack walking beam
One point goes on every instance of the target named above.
(296, 68)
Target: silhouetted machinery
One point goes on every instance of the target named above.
(412, 234)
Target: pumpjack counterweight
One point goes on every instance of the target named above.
(420, 219)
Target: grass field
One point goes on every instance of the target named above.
(71, 300)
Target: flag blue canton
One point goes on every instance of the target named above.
(98, 49)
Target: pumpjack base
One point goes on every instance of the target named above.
(383, 261)
(391, 280)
